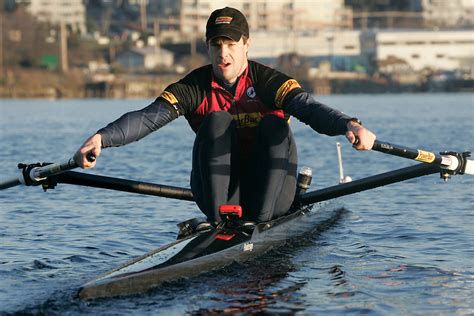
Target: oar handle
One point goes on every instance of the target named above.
(456, 163)
(406, 152)
(37, 174)
(91, 157)
(33, 174)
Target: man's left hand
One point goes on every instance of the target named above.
(365, 137)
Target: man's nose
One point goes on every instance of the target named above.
(223, 51)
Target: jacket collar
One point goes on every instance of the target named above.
(240, 83)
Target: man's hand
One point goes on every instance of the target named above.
(356, 131)
(92, 145)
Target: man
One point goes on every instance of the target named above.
(244, 152)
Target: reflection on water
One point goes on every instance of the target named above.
(264, 284)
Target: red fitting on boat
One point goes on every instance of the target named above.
(225, 236)
(230, 211)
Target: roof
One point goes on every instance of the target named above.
(150, 50)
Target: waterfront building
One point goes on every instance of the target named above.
(145, 58)
(422, 49)
(267, 15)
(341, 48)
(71, 12)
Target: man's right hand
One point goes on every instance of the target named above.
(92, 145)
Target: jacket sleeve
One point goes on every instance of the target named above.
(135, 125)
(179, 98)
(280, 91)
(321, 118)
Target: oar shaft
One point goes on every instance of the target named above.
(5, 184)
(405, 152)
(118, 184)
(368, 183)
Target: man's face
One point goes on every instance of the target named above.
(228, 58)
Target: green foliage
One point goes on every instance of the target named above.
(49, 62)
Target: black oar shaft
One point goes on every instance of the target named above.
(9, 183)
(368, 183)
(111, 183)
(405, 152)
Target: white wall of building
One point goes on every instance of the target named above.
(146, 58)
(302, 15)
(438, 50)
(445, 50)
(72, 12)
(325, 43)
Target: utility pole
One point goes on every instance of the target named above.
(193, 46)
(63, 45)
(2, 70)
(143, 15)
(364, 20)
(330, 40)
(156, 31)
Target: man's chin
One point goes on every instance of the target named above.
(224, 77)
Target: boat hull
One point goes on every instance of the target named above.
(180, 259)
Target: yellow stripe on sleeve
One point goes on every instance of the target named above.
(283, 91)
(168, 96)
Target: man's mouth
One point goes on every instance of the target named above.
(224, 65)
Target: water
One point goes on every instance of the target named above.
(402, 249)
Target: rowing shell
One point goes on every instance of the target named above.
(206, 251)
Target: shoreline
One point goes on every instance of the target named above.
(76, 84)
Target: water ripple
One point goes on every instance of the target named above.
(404, 249)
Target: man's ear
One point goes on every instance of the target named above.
(247, 45)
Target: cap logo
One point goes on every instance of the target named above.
(223, 20)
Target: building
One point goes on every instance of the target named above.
(267, 15)
(448, 13)
(72, 12)
(340, 47)
(146, 58)
(436, 50)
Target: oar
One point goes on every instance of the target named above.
(33, 174)
(118, 184)
(447, 163)
(368, 183)
(51, 174)
(452, 162)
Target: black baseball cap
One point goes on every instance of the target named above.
(227, 22)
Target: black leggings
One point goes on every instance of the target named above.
(263, 185)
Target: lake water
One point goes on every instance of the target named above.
(407, 248)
